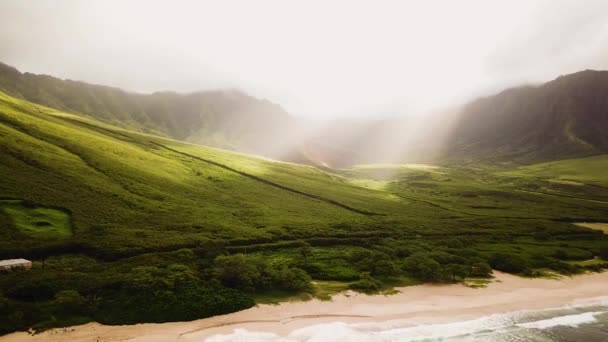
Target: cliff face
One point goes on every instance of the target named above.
(567, 117)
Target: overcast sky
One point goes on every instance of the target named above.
(319, 59)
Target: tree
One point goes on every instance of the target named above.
(384, 268)
(509, 263)
(561, 254)
(604, 253)
(252, 273)
(366, 283)
(457, 271)
(481, 270)
(70, 301)
(211, 248)
(293, 279)
(176, 276)
(237, 271)
(423, 267)
(305, 249)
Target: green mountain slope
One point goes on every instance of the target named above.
(228, 119)
(148, 183)
(564, 118)
(126, 227)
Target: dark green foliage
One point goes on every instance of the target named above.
(510, 263)
(32, 291)
(70, 302)
(573, 254)
(151, 294)
(254, 273)
(604, 253)
(480, 270)
(542, 235)
(305, 250)
(162, 230)
(423, 268)
(384, 268)
(457, 271)
(366, 284)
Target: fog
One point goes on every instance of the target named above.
(318, 59)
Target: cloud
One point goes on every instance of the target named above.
(316, 58)
(560, 37)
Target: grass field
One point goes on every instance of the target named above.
(589, 170)
(113, 218)
(38, 222)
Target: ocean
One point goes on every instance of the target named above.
(587, 322)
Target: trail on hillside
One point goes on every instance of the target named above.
(270, 183)
(226, 167)
(563, 195)
(436, 205)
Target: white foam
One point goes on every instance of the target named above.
(567, 321)
(406, 331)
(340, 331)
(239, 335)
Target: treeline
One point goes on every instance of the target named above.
(210, 279)
(182, 285)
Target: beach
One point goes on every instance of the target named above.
(413, 306)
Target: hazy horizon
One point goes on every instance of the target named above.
(317, 60)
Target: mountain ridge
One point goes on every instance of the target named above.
(227, 119)
(562, 118)
(559, 119)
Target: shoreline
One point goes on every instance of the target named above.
(413, 305)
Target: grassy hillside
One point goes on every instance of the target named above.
(228, 119)
(126, 227)
(582, 171)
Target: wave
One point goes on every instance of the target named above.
(520, 322)
(566, 321)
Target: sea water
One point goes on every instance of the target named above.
(585, 322)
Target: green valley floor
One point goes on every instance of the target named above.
(125, 227)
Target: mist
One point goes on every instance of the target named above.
(362, 82)
(318, 60)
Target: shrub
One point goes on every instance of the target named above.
(253, 273)
(423, 267)
(237, 271)
(294, 279)
(604, 253)
(69, 302)
(384, 268)
(509, 263)
(542, 235)
(481, 270)
(366, 284)
(573, 254)
(455, 271)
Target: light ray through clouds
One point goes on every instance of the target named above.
(318, 59)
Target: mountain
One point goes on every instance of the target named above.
(228, 119)
(563, 118)
(125, 227)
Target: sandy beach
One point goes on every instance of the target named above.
(412, 305)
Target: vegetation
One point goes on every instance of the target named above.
(125, 227)
(38, 222)
(227, 119)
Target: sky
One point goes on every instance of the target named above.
(318, 59)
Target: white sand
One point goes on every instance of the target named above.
(415, 304)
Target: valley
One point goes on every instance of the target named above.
(113, 217)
